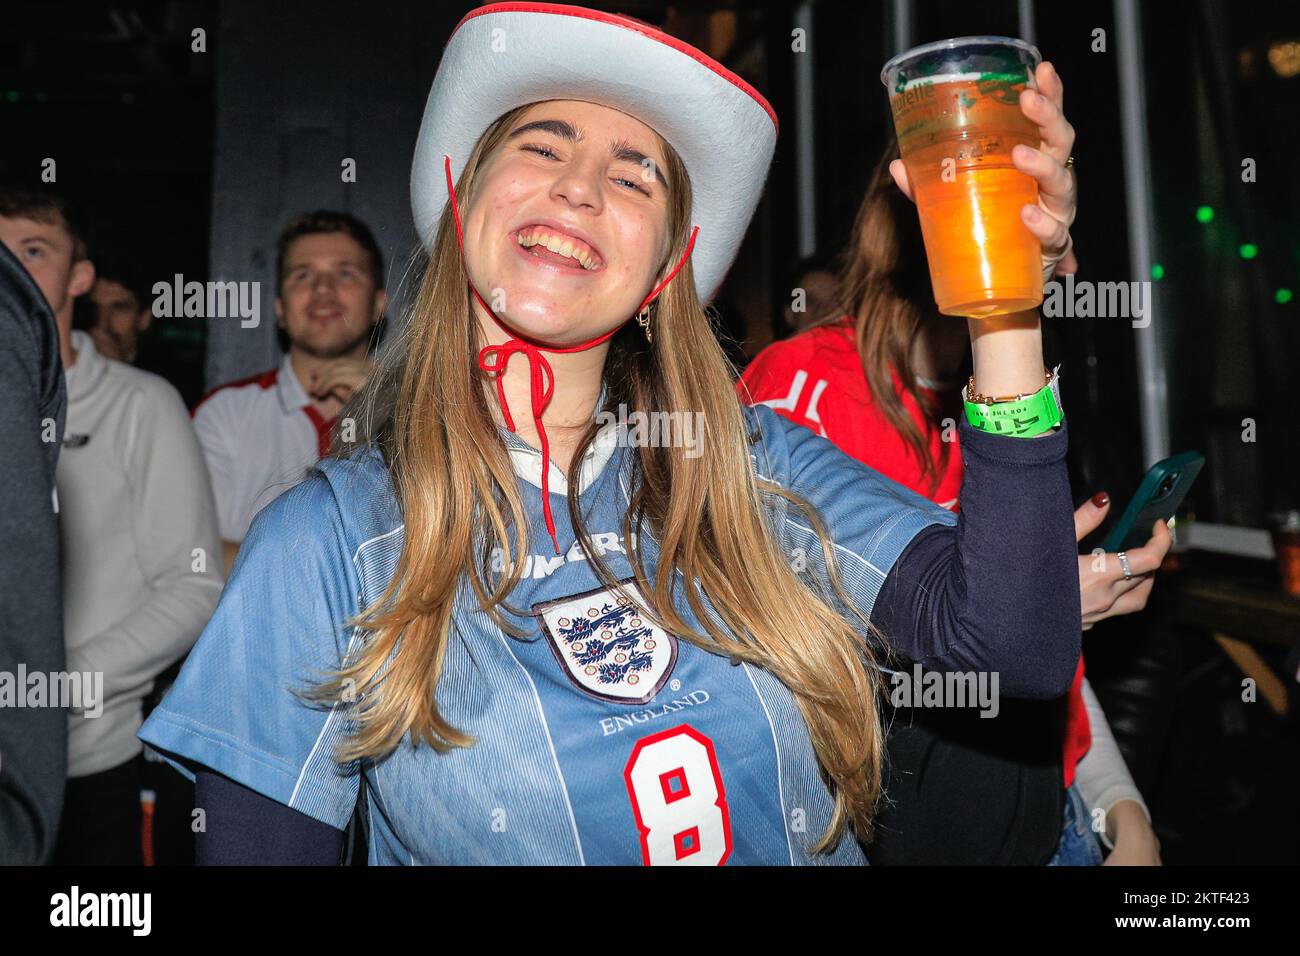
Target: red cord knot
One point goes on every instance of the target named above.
(493, 359)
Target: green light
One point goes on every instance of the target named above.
(11, 96)
(1282, 296)
(1205, 214)
(1157, 271)
(1248, 250)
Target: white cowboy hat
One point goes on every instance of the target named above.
(506, 55)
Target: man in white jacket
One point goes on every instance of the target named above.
(141, 555)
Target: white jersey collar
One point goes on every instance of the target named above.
(84, 374)
(527, 460)
(288, 389)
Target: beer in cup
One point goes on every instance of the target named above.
(956, 106)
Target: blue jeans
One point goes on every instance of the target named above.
(1079, 845)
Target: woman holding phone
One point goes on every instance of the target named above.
(541, 636)
(880, 375)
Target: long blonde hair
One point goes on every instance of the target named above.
(425, 407)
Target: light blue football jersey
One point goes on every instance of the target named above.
(600, 738)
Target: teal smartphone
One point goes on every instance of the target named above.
(1161, 493)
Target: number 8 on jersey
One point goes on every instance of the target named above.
(678, 798)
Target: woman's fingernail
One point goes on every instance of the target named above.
(1100, 499)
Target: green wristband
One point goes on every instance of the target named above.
(1025, 418)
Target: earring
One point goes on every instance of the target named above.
(643, 320)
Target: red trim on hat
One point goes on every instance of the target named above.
(630, 23)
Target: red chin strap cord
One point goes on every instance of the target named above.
(493, 359)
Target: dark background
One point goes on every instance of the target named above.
(188, 162)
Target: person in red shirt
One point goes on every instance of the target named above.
(881, 378)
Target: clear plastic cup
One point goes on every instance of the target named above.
(956, 106)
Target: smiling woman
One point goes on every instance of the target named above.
(568, 180)
(478, 645)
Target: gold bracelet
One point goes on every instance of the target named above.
(973, 396)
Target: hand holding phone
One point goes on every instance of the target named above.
(1104, 591)
(1160, 495)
